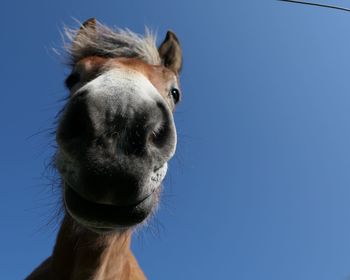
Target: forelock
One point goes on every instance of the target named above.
(107, 42)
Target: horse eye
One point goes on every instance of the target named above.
(175, 94)
(72, 79)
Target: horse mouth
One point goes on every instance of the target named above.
(105, 217)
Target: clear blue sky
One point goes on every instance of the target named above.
(260, 185)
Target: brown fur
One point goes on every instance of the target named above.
(161, 77)
(80, 254)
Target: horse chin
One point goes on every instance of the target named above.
(107, 218)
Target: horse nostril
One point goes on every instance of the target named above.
(160, 135)
(75, 123)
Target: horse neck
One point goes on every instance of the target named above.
(82, 254)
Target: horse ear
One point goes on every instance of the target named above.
(90, 23)
(170, 52)
(85, 29)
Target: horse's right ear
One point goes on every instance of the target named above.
(90, 23)
(85, 30)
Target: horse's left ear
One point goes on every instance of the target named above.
(170, 52)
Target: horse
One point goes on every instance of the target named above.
(115, 136)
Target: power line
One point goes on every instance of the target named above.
(318, 5)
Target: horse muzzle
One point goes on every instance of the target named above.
(115, 138)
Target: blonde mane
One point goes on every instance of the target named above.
(110, 42)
